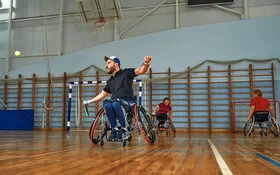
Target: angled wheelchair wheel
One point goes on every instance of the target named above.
(172, 127)
(155, 124)
(273, 126)
(249, 126)
(99, 128)
(145, 125)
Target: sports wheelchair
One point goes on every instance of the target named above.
(167, 125)
(265, 121)
(136, 120)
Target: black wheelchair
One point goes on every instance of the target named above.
(265, 121)
(163, 125)
(136, 120)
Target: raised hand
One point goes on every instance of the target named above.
(147, 59)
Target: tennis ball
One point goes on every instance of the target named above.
(17, 53)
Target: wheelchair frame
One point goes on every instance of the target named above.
(136, 119)
(271, 124)
(169, 125)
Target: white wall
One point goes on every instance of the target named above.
(178, 48)
(36, 37)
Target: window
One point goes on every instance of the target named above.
(207, 2)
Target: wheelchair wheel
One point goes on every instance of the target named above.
(98, 128)
(101, 142)
(145, 125)
(273, 126)
(172, 127)
(129, 138)
(249, 126)
(155, 123)
(123, 142)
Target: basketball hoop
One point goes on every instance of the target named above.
(99, 23)
(99, 12)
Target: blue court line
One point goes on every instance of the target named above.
(269, 160)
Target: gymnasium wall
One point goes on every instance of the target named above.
(202, 98)
(178, 48)
(175, 49)
(35, 36)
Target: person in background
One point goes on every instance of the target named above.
(258, 103)
(163, 111)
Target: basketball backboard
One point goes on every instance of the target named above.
(94, 10)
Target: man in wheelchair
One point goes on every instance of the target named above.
(119, 86)
(259, 108)
(161, 111)
(118, 108)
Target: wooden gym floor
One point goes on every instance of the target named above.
(58, 152)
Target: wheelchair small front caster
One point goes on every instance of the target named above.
(123, 142)
(129, 138)
(95, 141)
(101, 142)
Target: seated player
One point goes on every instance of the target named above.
(119, 86)
(258, 103)
(161, 112)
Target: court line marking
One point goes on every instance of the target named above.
(268, 159)
(223, 166)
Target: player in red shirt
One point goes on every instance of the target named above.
(258, 103)
(161, 110)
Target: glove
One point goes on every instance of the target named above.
(85, 102)
(153, 113)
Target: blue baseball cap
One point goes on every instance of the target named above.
(113, 58)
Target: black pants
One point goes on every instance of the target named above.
(261, 116)
(161, 118)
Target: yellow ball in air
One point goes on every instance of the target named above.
(17, 53)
